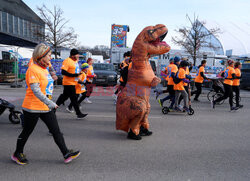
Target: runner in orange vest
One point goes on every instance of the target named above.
(90, 76)
(36, 105)
(179, 87)
(236, 83)
(200, 76)
(80, 87)
(228, 82)
(70, 71)
(172, 69)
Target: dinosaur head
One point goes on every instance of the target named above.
(155, 35)
(150, 41)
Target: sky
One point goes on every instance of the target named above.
(92, 19)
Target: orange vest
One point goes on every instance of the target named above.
(35, 74)
(181, 75)
(172, 68)
(199, 78)
(228, 75)
(236, 82)
(72, 67)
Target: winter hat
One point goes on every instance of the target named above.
(74, 52)
(171, 59)
(176, 59)
(84, 66)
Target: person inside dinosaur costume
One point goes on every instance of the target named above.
(132, 108)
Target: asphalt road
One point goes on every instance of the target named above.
(210, 145)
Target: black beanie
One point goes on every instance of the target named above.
(73, 52)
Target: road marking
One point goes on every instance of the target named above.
(106, 116)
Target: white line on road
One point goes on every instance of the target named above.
(113, 116)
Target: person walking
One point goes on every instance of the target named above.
(70, 72)
(172, 69)
(90, 76)
(228, 82)
(36, 105)
(200, 76)
(236, 84)
(80, 87)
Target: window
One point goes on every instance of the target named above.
(6, 55)
(28, 29)
(15, 25)
(10, 23)
(4, 21)
(25, 29)
(20, 27)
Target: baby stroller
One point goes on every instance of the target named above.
(216, 91)
(15, 116)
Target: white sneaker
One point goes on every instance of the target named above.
(114, 97)
(87, 101)
(70, 110)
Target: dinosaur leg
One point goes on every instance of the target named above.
(139, 110)
(144, 128)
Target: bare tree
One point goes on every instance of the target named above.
(193, 38)
(57, 34)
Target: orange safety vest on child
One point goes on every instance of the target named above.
(181, 74)
(72, 67)
(80, 88)
(172, 68)
(228, 75)
(35, 74)
(199, 78)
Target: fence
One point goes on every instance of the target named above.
(13, 71)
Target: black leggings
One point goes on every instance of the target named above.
(30, 121)
(198, 90)
(79, 100)
(69, 91)
(121, 86)
(236, 89)
(228, 93)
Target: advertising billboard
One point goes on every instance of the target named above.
(119, 36)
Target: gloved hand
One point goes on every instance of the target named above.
(186, 81)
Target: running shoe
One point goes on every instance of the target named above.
(86, 100)
(133, 136)
(19, 158)
(240, 106)
(145, 132)
(186, 109)
(80, 116)
(70, 110)
(212, 104)
(234, 108)
(71, 155)
(177, 109)
(114, 96)
(160, 102)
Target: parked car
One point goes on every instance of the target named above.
(106, 75)
(245, 71)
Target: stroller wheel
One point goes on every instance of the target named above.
(14, 117)
(165, 110)
(191, 111)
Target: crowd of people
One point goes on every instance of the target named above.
(77, 86)
(177, 75)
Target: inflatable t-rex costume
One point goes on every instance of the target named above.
(132, 107)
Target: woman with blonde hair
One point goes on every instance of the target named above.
(37, 105)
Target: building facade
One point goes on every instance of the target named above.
(19, 25)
